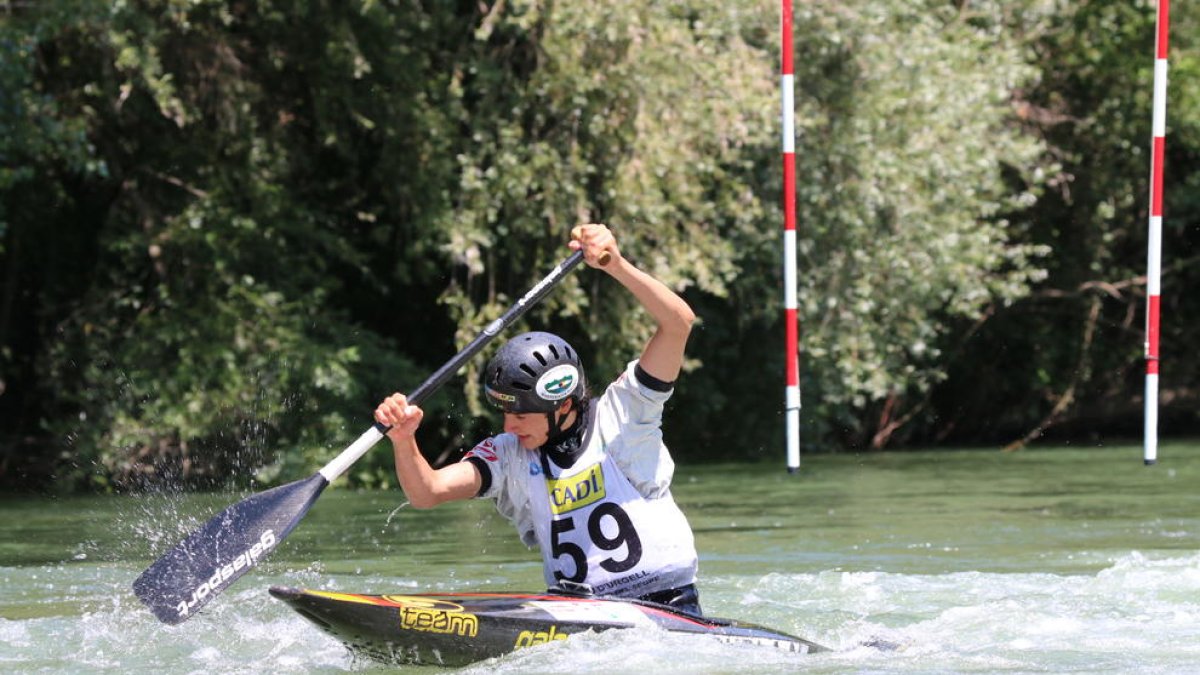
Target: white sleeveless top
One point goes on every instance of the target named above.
(609, 519)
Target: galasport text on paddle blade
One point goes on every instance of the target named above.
(201, 566)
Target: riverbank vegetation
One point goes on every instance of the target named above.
(228, 228)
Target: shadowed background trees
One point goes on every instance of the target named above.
(229, 228)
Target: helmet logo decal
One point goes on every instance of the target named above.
(500, 396)
(558, 382)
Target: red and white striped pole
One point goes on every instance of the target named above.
(792, 396)
(1154, 243)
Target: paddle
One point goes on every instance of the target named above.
(192, 573)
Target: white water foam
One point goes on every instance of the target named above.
(1139, 613)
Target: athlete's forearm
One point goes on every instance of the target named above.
(425, 486)
(663, 354)
(670, 312)
(414, 473)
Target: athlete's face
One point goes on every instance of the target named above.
(533, 429)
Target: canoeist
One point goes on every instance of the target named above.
(586, 479)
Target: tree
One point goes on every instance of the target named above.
(1067, 360)
(230, 229)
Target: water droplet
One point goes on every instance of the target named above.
(392, 515)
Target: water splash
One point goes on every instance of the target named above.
(1056, 583)
(391, 515)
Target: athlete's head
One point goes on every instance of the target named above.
(536, 373)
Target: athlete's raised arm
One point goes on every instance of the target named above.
(662, 356)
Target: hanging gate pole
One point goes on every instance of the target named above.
(792, 394)
(1154, 240)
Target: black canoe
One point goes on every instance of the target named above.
(462, 628)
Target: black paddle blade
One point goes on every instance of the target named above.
(188, 576)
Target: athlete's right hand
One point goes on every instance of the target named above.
(400, 416)
(597, 242)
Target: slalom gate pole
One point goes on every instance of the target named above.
(1154, 240)
(792, 394)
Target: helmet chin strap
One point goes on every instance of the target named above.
(556, 423)
(564, 445)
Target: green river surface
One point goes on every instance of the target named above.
(1057, 560)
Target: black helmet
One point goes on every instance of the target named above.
(533, 372)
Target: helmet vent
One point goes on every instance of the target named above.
(541, 359)
(554, 351)
(528, 371)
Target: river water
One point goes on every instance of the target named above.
(1054, 560)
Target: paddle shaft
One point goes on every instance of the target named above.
(207, 561)
(338, 465)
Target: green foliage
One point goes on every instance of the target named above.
(228, 230)
(640, 117)
(1078, 341)
(905, 140)
(208, 341)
